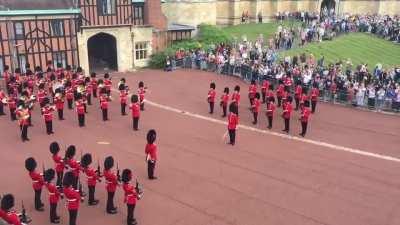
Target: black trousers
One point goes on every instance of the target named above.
(110, 201)
(75, 183)
(2, 109)
(72, 216)
(142, 106)
(123, 111)
(131, 214)
(287, 122)
(69, 101)
(279, 101)
(60, 114)
(105, 114)
(211, 107)
(60, 176)
(24, 132)
(297, 100)
(49, 127)
(303, 128)
(53, 212)
(255, 116)
(92, 190)
(269, 121)
(81, 119)
(232, 136)
(224, 107)
(89, 99)
(94, 93)
(85, 107)
(251, 101)
(38, 201)
(263, 96)
(135, 123)
(13, 116)
(313, 105)
(150, 168)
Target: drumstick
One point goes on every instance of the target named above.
(224, 136)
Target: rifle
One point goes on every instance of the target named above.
(98, 171)
(80, 190)
(44, 169)
(24, 217)
(139, 190)
(118, 174)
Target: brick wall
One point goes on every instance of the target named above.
(154, 16)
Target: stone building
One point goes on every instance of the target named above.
(98, 35)
(228, 12)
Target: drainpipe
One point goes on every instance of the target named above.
(133, 50)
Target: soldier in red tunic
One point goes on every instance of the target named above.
(233, 121)
(287, 111)
(58, 163)
(107, 84)
(297, 94)
(252, 91)
(135, 109)
(72, 164)
(314, 97)
(279, 92)
(141, 92)
(69, 94)
(3, 99)
(12, 105)
(305, 115)
(264, 88)
(270, 110)
(47, 113)
(123, 95)
(38, 182)
(211, 97)
(80, 110)
(93, 81)
(256, 107)
(54, 195)
(59, 102)
(72, 197)
(104, 103)
(236, 95)
(131, 196)
(7, 213)
(224, 101)
(151, 153)
(112, 183)
(88, 90)
(92, 177)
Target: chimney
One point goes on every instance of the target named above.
(153, 15)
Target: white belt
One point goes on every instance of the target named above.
(71, 200)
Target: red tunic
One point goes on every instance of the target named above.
(123, 96)
(305, 114)
(41, 95)
(12, 104)
(107, 84)
(287, 110)
(37, 180)
(72, 198)
(280, 90)
(233, 121)
(141, 93)
(111, 181)
(314, 94)
(47, 113)
(80, 107)
(303, 98)
(93, 81)
(130, 194)
(256, 105)
(236, 97)
(270, 109)
(298, 91)
(151, 149)
(211, 95)
(135, 109)
(265, 86)
(225, 99)
(12, 218)
(74, 166)
(22, 121)
(69, 93)
(103, 102)
(59, 102)
(91, 176)
(54, 194)
(252, 90)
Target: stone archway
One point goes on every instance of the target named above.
(328, 7)
(102, 52)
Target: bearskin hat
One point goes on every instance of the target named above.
(38, 69)
(287, 88)
(71, 150)
(78, 96)
(237, 88)
(253, 81)
(108, 162)
(271, 99)
(68, 68)
(257, 95)
(46, 101)
(100, 81)
(134, 98)
(27, 66)
(233, 108)
(106, 76)
(93, 75)
(68, 179)
(315, 85)
(289, 99)
(151, 136)
(271, 87)
(17, 70)
(49, 70)
(141, 84)
(6, 67)
(87, 79)
(212, 85)
(30, 164)
(49, 175)
(21, 103)
(79, 69)
(121, 86)
(49, 62)
(304, 90)
(103, 90)
(74, 76)
(126, 175)
(54, 147)
(306, 103)
(59, 65)
(226, 90)
(7, 202)
(86, 160)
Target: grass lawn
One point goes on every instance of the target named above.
(253, 30)
(359, 47)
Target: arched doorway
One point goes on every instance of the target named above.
(102, 52)
(328, 8)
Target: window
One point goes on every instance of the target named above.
(57, 28)
(106, 7)
(22, 63)
(138, 14)
(59, 57)
(19, 30)
(1, 66)
(141, 50)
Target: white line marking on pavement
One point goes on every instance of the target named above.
(305, 140)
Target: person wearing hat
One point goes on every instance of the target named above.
(236, 95)
(69, 94)
(41, 95)
(141, 92)
(279, 92)
(58, 163)
(270, 110)
(104, 98)
(112, 183)
(123, 95)
(314, 97)
(47, 113)
(130, 197)
(72, 164)
(3, 100)
(7, 213)
(59, 102)
(287, 111)
(304, 117)
(252, 91)
(233, 121)
(88, 90)
(255, 107)
(23, 116)
(12, 104)
(135, 109)
(264, 88)
(92, 177)
(224, 101)
(211, 97)
(107, 84)
(54, 195)
(38, 182)
(72, 197)
(80, 110)
(297, 94)
(93, 81)
(151, 153)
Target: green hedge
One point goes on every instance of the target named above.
(207, 38)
